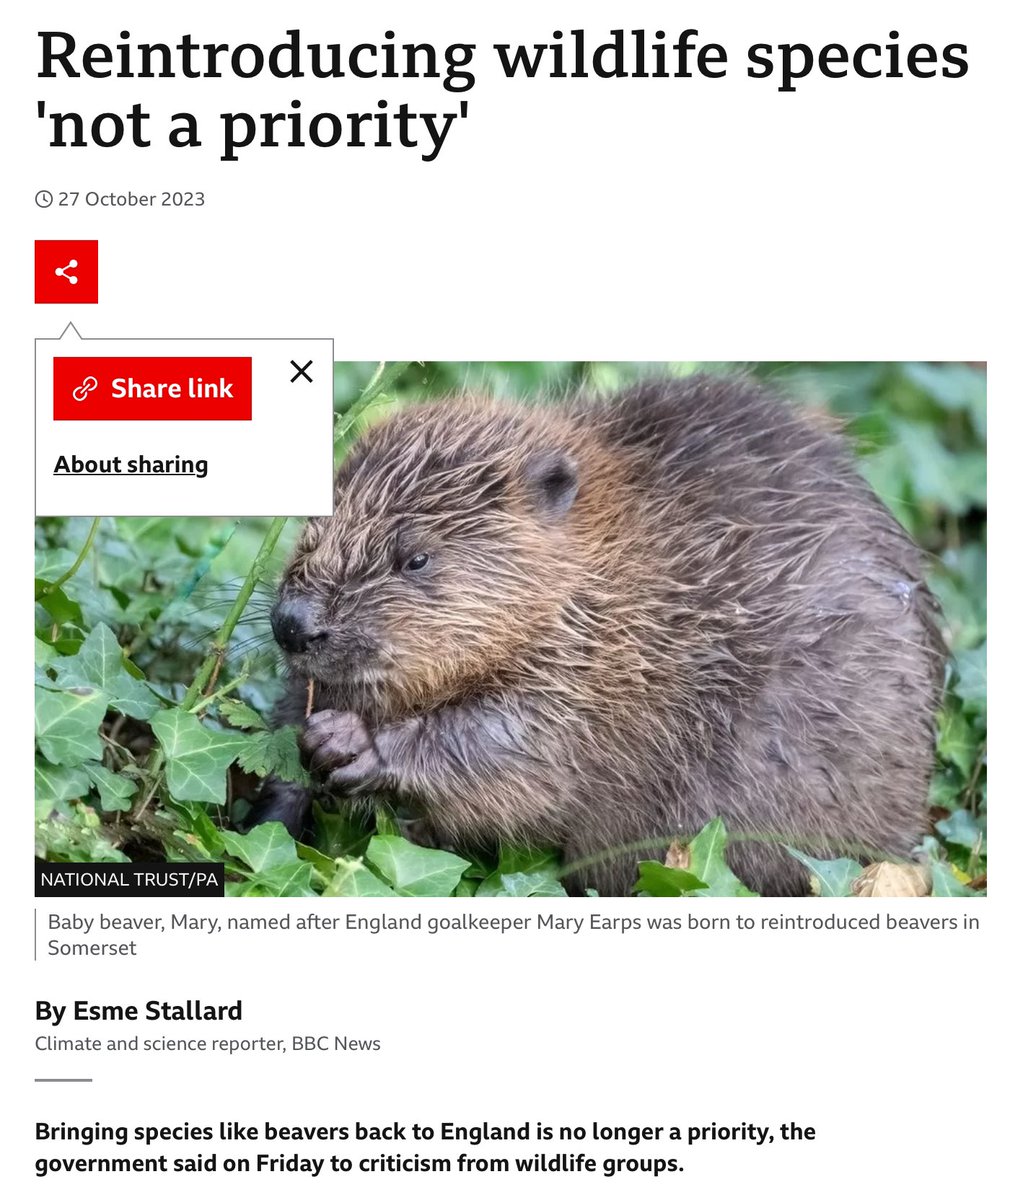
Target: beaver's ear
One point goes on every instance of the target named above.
(552, 481)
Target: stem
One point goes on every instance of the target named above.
(222, 691)
(383, 377)
(968, 793)
(220, 643)
(88, 543)
(154, 765)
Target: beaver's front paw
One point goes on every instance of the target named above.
(339, 751)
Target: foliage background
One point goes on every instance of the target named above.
(151, 730)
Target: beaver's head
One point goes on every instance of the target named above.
(451, 541)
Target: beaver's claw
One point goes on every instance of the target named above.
(338, 750)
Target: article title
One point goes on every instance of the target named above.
(620, 55)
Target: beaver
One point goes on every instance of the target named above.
(597, 624)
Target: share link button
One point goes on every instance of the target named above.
(152, 389)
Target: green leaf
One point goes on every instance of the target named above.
(114, 790)
(946, 786)
(287, 880)
(196, 758)
(956, 482)
(707, 873)
(274, 753)
(655, 879)
(385, 821)
(198, 830)
(958, 580)
(67, 723)
(263, 848)
(523, 872)
(55, 785)
(239, 714)
(831, 876)
(340, 834)
(955, 740)
(954, 386)
(415, 870)
(57, 603)
(68, 642)
(353, 878)
(322, 863)
(946, 883)
(708, 862)
(514, 860)
(971, 678)
(45, 652)
(79, 840)
(521, 883)
(961, 829)
(99, 664)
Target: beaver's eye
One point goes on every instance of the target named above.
(417, 563)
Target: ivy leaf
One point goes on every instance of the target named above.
(707, 851)
(289, 879)
(199, 832)
(66, 724)
(415, 870)
(523, 872)
(954, 740)
(55, 785)
(99, 664)
(953, 481)
(340, 834)
(521, 883)
(698, 868)
(946, 883)
(114, 790)
(971, 681)
(655, 879)
(514, 860)
(57, 603)
(946, 786)
(353, 878)
(831, 876)
(325, 866)
(239, 714)
(196, 758)
(960, 829)
(77, 840)
(45, 652)
(954, 386)
(263, 848)
(274, 753)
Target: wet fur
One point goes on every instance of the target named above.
(723, 621)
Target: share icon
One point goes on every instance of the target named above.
(62, 271)
(67, 261)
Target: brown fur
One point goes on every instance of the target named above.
(638, 614)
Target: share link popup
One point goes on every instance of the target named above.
(201, 427)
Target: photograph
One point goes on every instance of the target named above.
(655, 629)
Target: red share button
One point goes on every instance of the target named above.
(66, 272)
(152, 389)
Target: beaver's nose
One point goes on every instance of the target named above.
(295, 625)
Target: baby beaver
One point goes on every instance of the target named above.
(598, 623)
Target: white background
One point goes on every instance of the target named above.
(675, 219)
